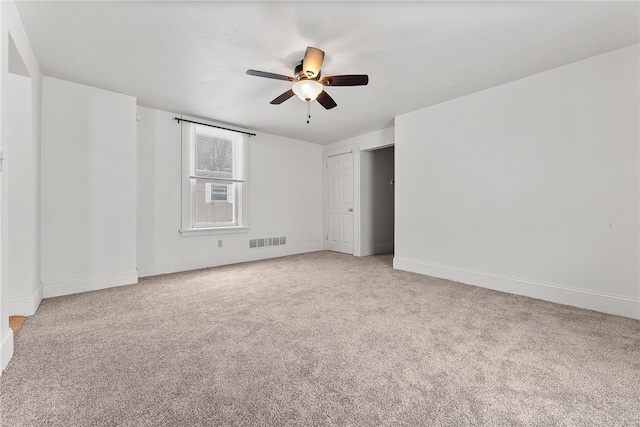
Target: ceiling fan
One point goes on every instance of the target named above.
(308, 85)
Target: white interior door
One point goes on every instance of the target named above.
(340, 210)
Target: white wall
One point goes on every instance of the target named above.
(89, 188)
(22, 185)
(376, 201)
(20, 118)
(285, 199)
(368, 141)
(531, 187)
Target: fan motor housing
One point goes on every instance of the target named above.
(300, 75)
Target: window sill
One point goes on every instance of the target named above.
(216, 230)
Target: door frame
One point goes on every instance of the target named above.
(355, 152)
(371, 141)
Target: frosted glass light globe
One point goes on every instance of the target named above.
(307, 90)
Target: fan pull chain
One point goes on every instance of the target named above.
(308, 111)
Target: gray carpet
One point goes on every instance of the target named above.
(318, 339)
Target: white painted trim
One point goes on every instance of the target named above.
(6, 349)
(379, 147)
(369, 141)
(27, 305)
(145, 270)
(377, 249)
(592, 300)
(77, 285)
(208, 231)
(337, 151)
(357, 238)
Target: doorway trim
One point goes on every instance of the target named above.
(370, 141)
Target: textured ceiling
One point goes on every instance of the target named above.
(191, 57)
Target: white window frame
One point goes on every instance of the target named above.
(188, 181)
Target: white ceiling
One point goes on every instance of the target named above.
(191, 57)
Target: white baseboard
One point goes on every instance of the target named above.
(55, 288)
(6, 349)
(597, 301)
(153, 269)
(377, 249)
(27, 305)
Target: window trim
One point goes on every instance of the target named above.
(216, 230)
(187, 177)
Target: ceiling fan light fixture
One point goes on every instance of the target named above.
(307, 90)
(307, 83)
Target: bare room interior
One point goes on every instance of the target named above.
(319, 213)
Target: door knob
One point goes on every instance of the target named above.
(350, 209)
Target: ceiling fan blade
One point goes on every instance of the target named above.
(346, 80)
(270, 75)
(279, 100)
(326, 101)
(312, 62)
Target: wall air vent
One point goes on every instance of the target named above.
(266, 242)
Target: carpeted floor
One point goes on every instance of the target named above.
(318, 339)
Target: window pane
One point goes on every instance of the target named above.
(219, 192)
(213, 156)
(215, 203)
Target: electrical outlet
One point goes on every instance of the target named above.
(219, 243)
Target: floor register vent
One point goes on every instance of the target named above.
(267, 241)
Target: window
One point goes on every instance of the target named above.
(213, 179)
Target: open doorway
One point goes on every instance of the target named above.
(377, 199)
